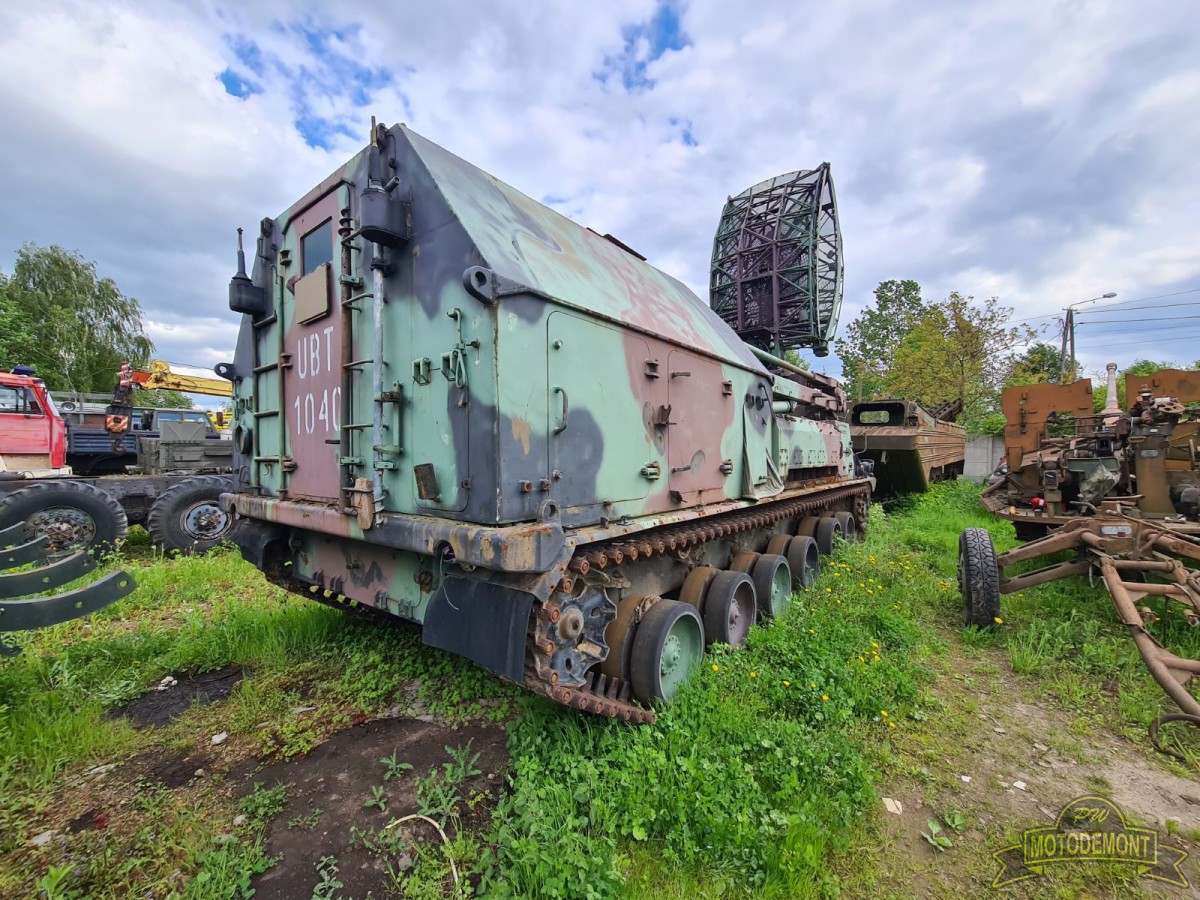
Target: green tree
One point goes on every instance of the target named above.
(73, 325)
(161, 399)
(868, 349)
(960, 350)
(1039, 364)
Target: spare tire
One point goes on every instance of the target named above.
(71, 515)
(188, 516)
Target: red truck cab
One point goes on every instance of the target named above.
(33, 436)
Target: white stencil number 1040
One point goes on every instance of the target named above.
(318, 412)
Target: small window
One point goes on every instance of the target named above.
(19, 401)
(11, 400)
(316, 247)
(874, 417)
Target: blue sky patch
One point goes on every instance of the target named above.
(659, 34)
(236, 85)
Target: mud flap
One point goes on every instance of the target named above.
(487, 623)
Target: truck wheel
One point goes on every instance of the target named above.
(188, 517)
(667, 649)
(978, 578)
(71, 515)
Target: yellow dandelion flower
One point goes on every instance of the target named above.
(891, 724)
(860, 584)
(787, 684)
(829, 590)
(875, 644)
(999, 621)
(884, 713)
(825, 698)
(869, 591)
(716, 668)
(753, 674)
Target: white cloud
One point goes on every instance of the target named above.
(1039, 151)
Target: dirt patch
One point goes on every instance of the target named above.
(1007, 763)
(159, 707)
(325, 814)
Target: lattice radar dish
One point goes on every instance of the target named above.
(777, 263)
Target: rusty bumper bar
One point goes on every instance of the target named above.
(530, 547)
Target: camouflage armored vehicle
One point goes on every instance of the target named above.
(455, 406)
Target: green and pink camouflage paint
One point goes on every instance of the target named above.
(456, 406)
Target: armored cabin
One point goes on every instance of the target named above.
(438, 376)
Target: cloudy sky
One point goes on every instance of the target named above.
(1043, 151)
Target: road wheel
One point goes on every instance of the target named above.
(729, 608)
(978, 578)
(772, 584)
(695, 586)
(808, 526)
(743, 561)
(804, 560)
(778, 544)
(71, 515)
(829, 529)
(667, 649)
(849, 525)
(619, 634)
(188, 517)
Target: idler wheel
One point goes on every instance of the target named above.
(729, 608)
(619, 635)
(667, 648)
(772, 585)
(778, 544)
(804, 560)
(743, 561)
(695, 587)
(828, 530)
(849, 526)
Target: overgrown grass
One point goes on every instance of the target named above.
(763, 772)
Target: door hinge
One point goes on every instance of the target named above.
(651, 471)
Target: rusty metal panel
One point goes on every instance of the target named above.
(1027, 407)
(1181, 384)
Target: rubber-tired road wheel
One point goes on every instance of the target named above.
(778, 544)
(729, 608)
(743, 561)
(828, 530)
(667, 649)
(804, 560)
(188, 516)
(772, 585)
(695, 586)
(808, 526)
(619, 634)
(849, 525)
(71, 515)
(978, 578)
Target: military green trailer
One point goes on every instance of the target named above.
(455, 406)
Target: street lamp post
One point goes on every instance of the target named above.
(1068, 335)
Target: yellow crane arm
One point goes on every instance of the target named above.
(161, 378)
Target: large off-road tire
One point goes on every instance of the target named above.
(71, 515)
(188, 516)
(978, 578)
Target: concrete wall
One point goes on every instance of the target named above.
(983, 453)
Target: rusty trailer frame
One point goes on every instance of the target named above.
(1138, 560)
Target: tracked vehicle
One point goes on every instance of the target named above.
(455, 406)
